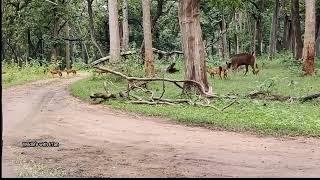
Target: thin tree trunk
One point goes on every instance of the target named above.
(236, 17)
(68, 63)
(54, 51)
(259, 27)
(91, 28)
(195, 66)
(286, 33)
(114, 31)
(273, 33)
(125, 26)
(253, 45)
(224, 37)
(296, 29)
(148, 54)
(309, 39)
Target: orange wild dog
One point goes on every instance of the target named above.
(73, 71)
(53, 72)
(219, 71)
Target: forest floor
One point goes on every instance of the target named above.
(97, 141)
(260, 117)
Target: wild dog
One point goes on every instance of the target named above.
(73, 71)
(245, 59)
(221, 71)
(53, 72)
(99, 72)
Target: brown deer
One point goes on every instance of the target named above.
(245, 59)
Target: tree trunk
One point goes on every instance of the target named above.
(253, 44)
(148, 54)
(54, 51)
(236, 34)
(224, 39)
(260, 28)
(114, 31)
(309, 39)
(286, 33)
(298, 44)
(195, 67)
(125, 26)
(274, 30)
(91, 28)
(68, 63)
(318, 42)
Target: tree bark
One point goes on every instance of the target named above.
(195, 67)
(114, 31)
(309, 38)
(253, 44)
(259, 27)
(91, 28)
(224, 39)
(237, 32)
(318, 42)
(298, 44)
(274, 30)
(286, 33)
(125, 26)
(54, 51)
(148, 54)
(68, 61)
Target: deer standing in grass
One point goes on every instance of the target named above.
(245, 59)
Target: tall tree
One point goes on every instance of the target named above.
(273, 33)
(148, 54)
(68, 60)
(298, 44)
(309, 38)
(54, 51)
(91, 28)
(114, 31)
(193, 49)
(125, 26)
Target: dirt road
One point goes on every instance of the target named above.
(98, 141)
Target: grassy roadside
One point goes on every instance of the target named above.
(255, 116)
(15, 75)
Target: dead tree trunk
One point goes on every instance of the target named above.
(195, 68)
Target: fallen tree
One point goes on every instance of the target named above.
(139, 84)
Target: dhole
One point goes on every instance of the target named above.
(74, 72)
(218, 70)
(53, 72)
(243, 59)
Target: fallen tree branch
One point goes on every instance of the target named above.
(130, 79)
(310, 97)
(108, 57)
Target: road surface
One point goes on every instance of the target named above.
(96, 141)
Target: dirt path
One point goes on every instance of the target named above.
(99, 141)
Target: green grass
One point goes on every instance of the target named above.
(255, 116)
(14, 75)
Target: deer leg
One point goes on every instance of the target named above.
(247, 68)
(253, 69)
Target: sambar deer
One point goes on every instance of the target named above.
(245, 59)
